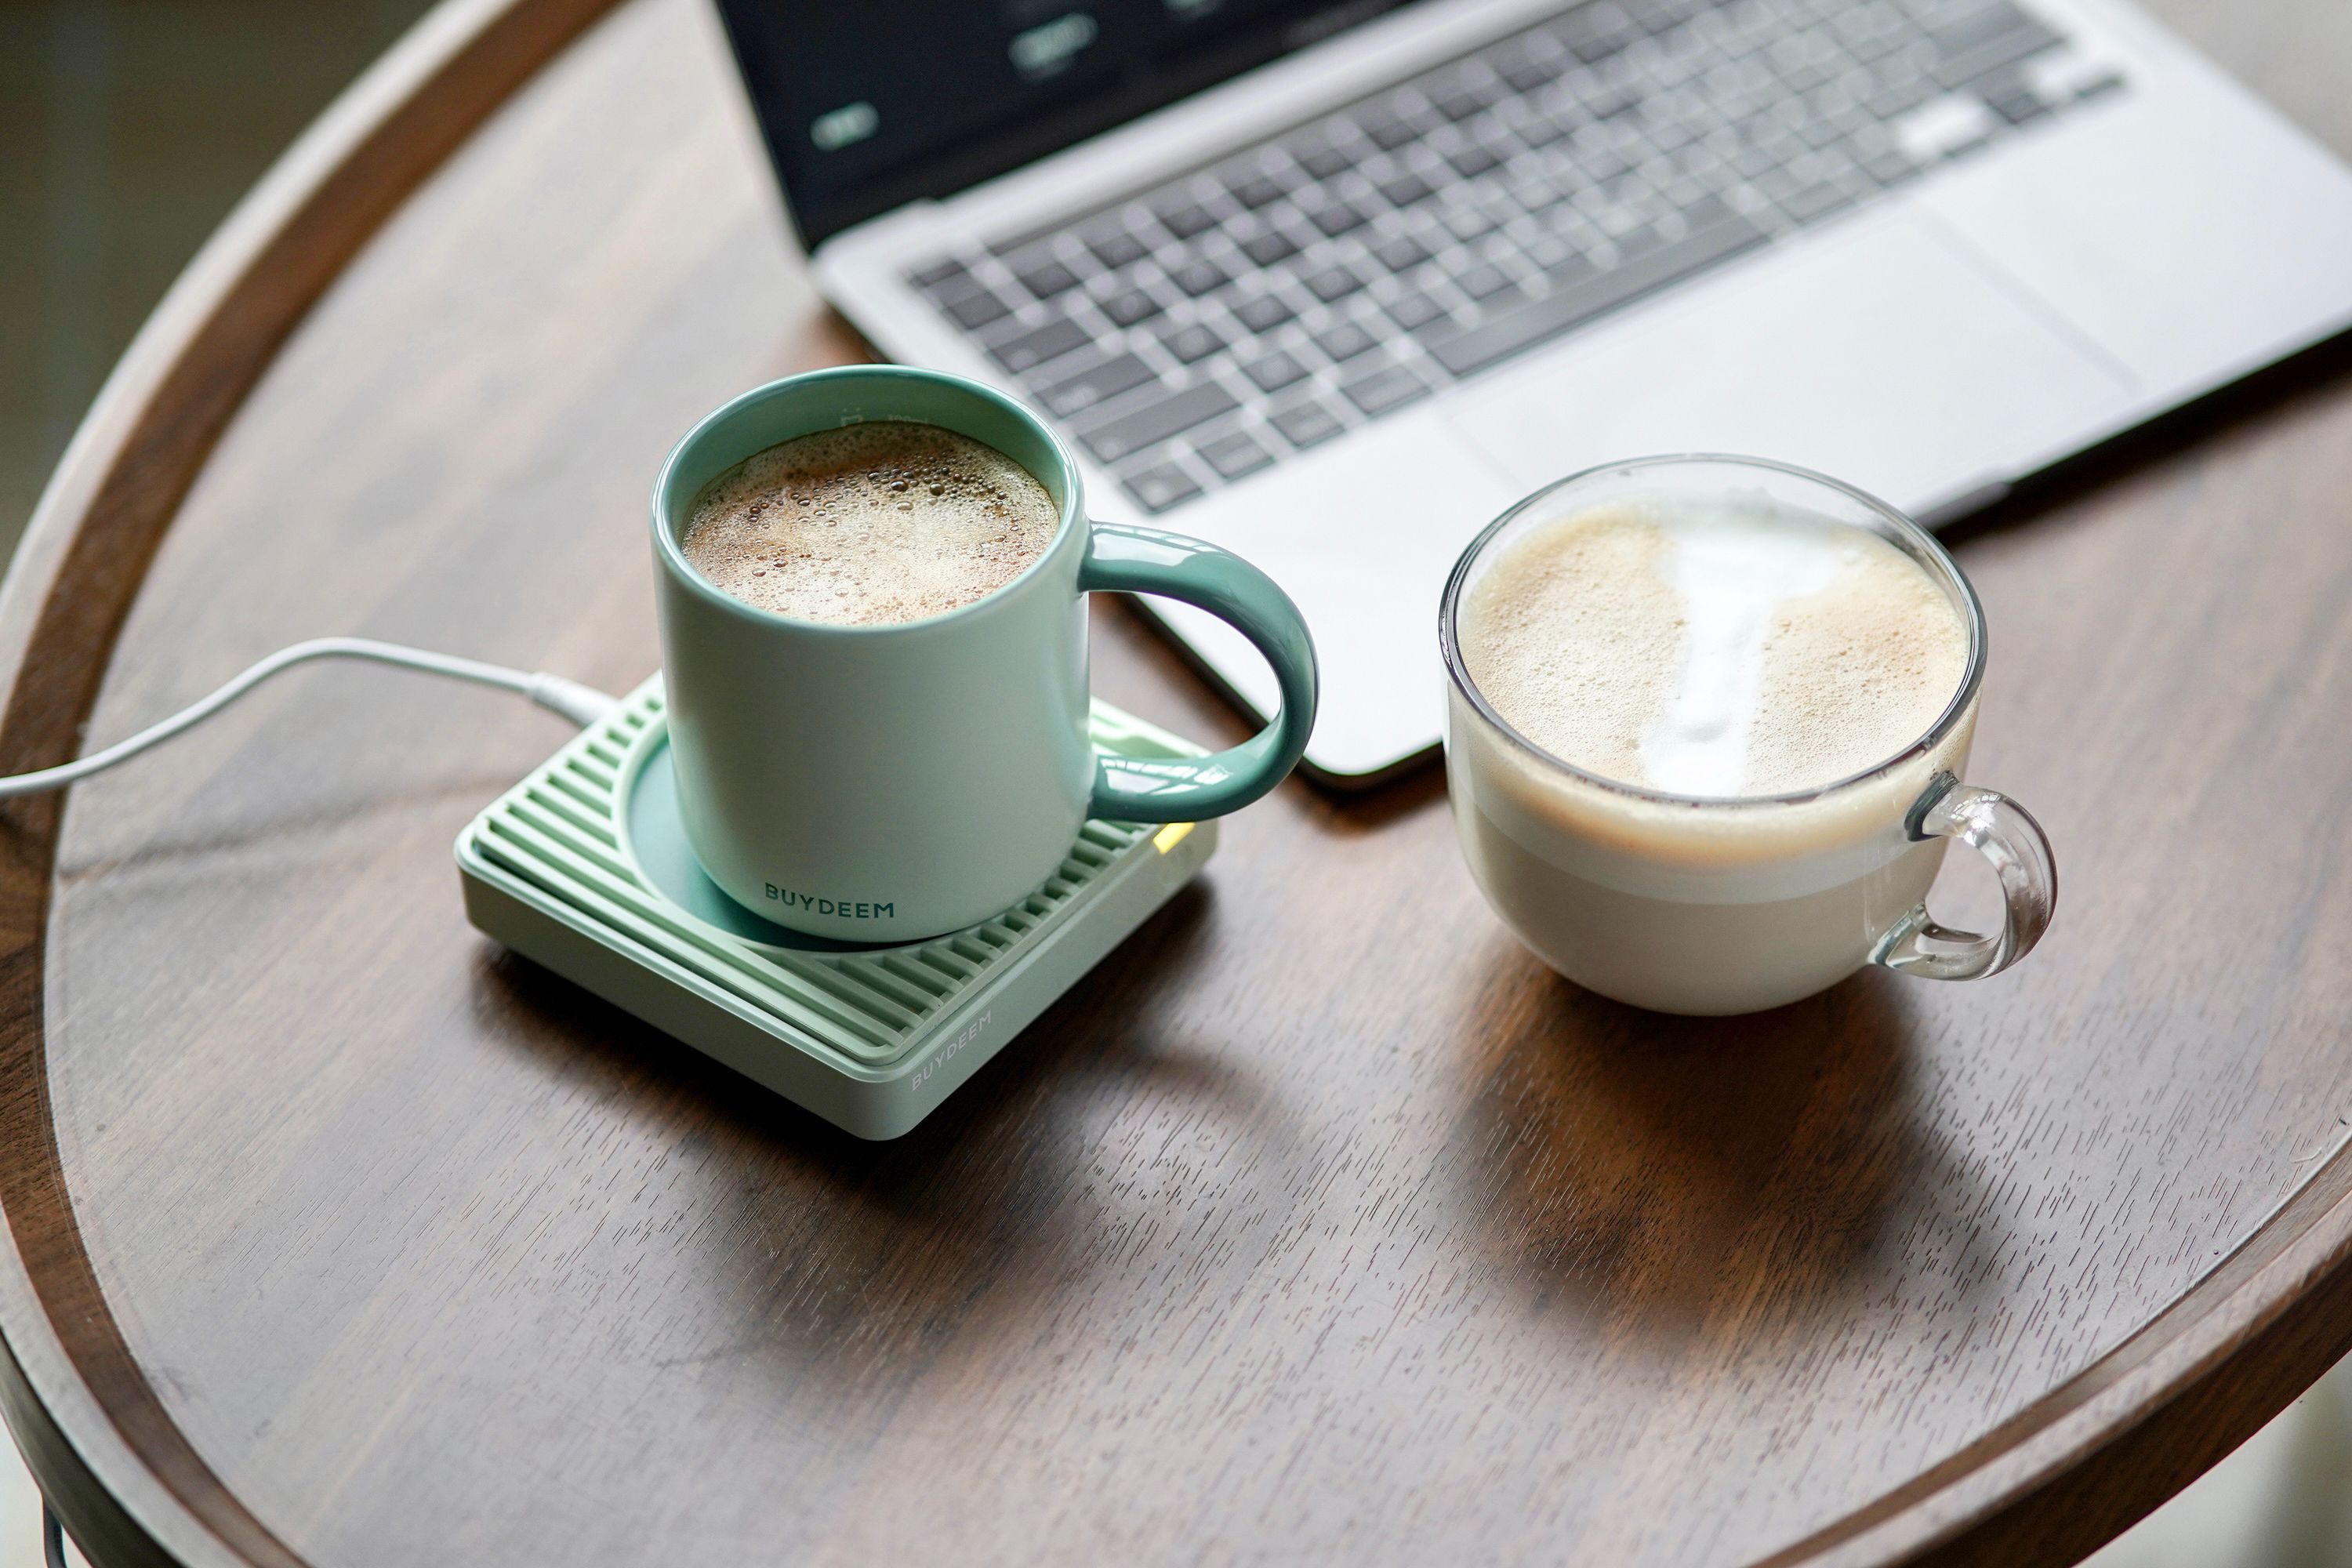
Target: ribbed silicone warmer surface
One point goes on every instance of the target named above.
(565, 833)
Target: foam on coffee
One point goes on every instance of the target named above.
(868, 524)
(1718, 651)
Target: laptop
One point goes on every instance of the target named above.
(1331, 285)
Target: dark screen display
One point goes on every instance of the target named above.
(867, 107)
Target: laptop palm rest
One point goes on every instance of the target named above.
(1883, 355)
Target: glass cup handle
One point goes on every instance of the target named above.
(2004, 833)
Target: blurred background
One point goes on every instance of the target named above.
(128, 129)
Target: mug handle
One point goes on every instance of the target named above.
(1125, 559)
(2004, 833)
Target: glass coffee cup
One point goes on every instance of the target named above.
(1711, 905)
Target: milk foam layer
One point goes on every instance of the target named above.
(868, 524)
(1715, 650)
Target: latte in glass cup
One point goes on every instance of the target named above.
(1704, 715)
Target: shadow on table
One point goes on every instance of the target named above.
(916, 1228)
(1674, 1174)
(580, 1031)
(1664, 1175)
(754, 1257)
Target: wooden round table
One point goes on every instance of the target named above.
(1320, 1222)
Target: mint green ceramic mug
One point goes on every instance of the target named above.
(889, 783)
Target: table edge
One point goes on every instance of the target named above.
(97, 1437)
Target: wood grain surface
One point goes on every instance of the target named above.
(1320, 1223)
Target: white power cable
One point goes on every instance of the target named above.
(583, 705)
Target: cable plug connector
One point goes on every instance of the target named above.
(583, 705)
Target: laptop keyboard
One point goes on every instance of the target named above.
(1203, 329)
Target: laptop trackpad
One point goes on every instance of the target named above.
(1886, 357)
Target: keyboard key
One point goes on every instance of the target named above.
(1387, 132)
(1114, 246)
(1336, 219)
(2056, 73)
(1385, 389)
(1156, 421)
(1234, 456)
(1611, 102)
(1644, 237)
(1484, 281)
(1473, 160)
(1273, 372)
(1891, 167)
(1658, 143)
(1592, 34)
(1804, 76)
(1307, 425)
(1129, 307)
(975, 306)
(1263, 313)
(1538, 191)
(1960, 69)
(1185, 219)
(1547, 128)
(1974, 29)
(1332, 283)
(1414, 309)
(1198, 278)
(1599, 163)
(1461, 101)
(1466, 223)
(1191, 344)
(1033, 348)
(1686, 193)
(1939, 128)
(938, 273)
(1255, 191)
(1044, 276)
(1404, 190)
(1654, 16)
(1402, 253)
(1547, 251)
(1527, 74)
(1320, 159)
(1098, 383)
(2014, 101)
(1878, 46)
(1269, 248)
(1568, 307)
(1900, 98)
(1706, 211)
(1344, 342)
(1815, 201)
(1157, 489)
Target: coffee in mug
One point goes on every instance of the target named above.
(1705, 728)
(888, 520)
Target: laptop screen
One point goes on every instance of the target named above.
(866, 107)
